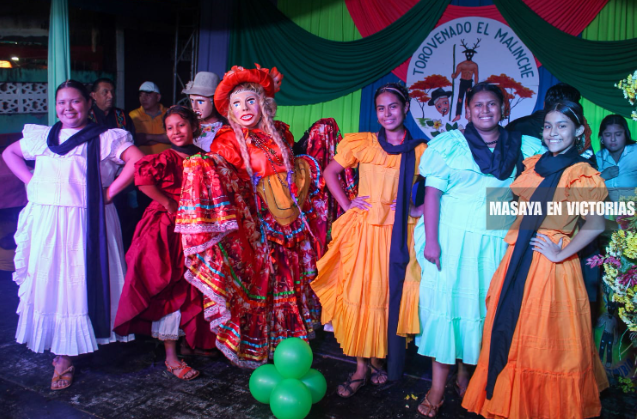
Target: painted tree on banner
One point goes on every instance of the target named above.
(514, 92)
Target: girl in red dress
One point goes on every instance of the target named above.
(157, 300)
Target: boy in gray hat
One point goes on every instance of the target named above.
(200, 91)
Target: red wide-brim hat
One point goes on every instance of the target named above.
(269, 79)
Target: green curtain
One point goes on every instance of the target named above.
(592, 67)
(617, 21)
(316, 69)
(59, 63)
(330, 21)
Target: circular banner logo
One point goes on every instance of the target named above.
(457, 55)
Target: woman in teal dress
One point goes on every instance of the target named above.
(457, 250)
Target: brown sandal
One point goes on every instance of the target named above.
(430, 407)
(70, 371)
(377, 373)
(461, 390)
(347, 385)
(180, 371)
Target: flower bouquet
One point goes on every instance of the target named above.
(620, 273)
(629, 87)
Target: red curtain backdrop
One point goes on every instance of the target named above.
(570, 16)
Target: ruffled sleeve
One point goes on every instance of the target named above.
(584, 184)
(452, 147)
(33, 142)
(531, 146)
(225, 145)
(434, 169)
(348, 150)
(150, 169)
(113, 143)
(525, 184)
(207, 210)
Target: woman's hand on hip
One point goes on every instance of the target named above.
(360, 203)
(543, 244)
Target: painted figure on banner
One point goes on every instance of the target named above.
(440, 100)
(445, 67)
(468, 72)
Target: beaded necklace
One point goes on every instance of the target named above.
(268, 151)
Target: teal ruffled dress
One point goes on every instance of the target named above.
(452, 301)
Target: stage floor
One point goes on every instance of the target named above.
(129, 380)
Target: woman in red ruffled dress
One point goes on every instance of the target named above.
(250, 216)
(156, 299)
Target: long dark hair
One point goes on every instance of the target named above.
(561, 91)
(574, 112)
(74, 84)
(615, 119)
(188, 115)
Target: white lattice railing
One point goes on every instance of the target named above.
(23, 97)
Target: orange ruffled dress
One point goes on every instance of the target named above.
(553, 369)
(353, 276)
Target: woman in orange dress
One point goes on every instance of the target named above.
(538, 359)
(359, 274)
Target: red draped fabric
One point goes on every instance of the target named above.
(570, 16)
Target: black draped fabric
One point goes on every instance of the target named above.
(503, 159)
(97, 276)
(508, 310)
(399, 252)
(190, 149)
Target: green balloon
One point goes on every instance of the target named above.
(293, 358)
(315, 382)
(290, 400)
(262, 381)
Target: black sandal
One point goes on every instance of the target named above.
(347, 385)
(377, 373)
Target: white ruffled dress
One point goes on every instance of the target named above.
(51, 237)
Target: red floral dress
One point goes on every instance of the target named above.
(323, 138)
(254, 272)
(155, 284)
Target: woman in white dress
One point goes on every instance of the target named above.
(69, 261)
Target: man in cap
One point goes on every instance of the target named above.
(200, 91)
(148, 120)
(440, 99)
